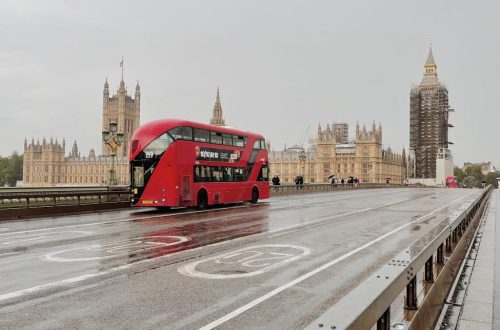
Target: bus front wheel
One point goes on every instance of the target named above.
(202, 202)
(255, 196)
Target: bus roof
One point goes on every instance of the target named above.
(160, 126)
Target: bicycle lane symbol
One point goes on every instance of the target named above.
(250, 261)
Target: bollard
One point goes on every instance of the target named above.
(411, 294)
(384, 322)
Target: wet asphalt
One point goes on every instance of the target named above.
(275, 265)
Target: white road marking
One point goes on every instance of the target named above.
(4, 229)
(118, 221)
(274, 292)
(52, 285)
(283, 230)
(33, 237)
(20, 293)
(256, 259)
(118, 248)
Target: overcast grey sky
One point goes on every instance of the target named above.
(282, 66)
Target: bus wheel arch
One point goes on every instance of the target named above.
(255, 195)
(202, 199)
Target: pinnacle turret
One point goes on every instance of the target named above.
(217, 118)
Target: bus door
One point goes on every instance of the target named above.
(186, 194)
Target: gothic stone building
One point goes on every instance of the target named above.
(428, 121)
(331, 155)
(45, 163)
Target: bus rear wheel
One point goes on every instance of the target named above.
(202, 202)
(255, 196)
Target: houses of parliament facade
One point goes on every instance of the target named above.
(333, 155)
(330, 154)
(45, 163)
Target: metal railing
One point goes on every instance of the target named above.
(24, 202)
(369, 304)
(309, 187)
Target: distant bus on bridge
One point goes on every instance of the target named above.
(179, 163)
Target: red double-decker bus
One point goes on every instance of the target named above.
(179, 163)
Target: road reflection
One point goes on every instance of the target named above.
(193, 230)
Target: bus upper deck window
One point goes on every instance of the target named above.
(256, 144)
(227, 139)
(201, 135)
(263, 144)
(215, 137)
(158, 146)
(182, 133)
(238, 141)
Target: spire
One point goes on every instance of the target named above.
(217, 118)
(430, 58)
(121, 66)
(137, 90)
(430, 67)
(106, 86)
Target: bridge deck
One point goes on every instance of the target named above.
(278, 264)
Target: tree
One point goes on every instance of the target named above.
(15, 168)
(459, 174)
(471, 182)
(491, 178)
(4, 169)
(475, 171)
(11, 169)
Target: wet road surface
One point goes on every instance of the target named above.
(278, 264)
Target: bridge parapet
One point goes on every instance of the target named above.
(27, 202)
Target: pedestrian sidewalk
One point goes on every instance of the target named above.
(481, 308)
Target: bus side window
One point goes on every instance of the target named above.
(256, 144)
(227, 140)
(197, 174)
(201, 174)
(263, 144)
(217, 174)
(239, 175)
(201, 135)
(263, 174)
(228, 174)
(238, 141)
(215, 137)
(182, 133)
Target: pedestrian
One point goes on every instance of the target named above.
(301, 182)
(342, 182)
(276, 182)
(297, 181)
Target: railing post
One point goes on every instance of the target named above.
(448, 244)
(439, 256)
(411, 294)
(429, 273)
(384, 322)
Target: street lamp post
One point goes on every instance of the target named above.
(113, 139)
(302, 159)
